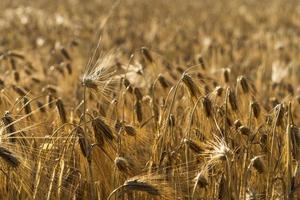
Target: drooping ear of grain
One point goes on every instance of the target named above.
(137, 185)
(190, 84)
(129, 130)
(9, 158)
(193, 146)
(101, 130)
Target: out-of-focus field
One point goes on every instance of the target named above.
(142, 100)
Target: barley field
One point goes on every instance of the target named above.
(150, 100)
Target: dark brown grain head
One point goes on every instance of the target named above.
(65, 53)
(207, 106)
(61, 111)
(219, 90)
(102, 130)
(138, 111)
(16, 76)
(190, 84)
(83, 143)
(129, 130)
(20, 91)
(163, 81)
(147, 55)
(138, 94)
(226, 75)
(193, 146)
(232, 100)
(8, 122)
(244, 130)
(27, 106)
(41, 106)
(201, 61)
(243, 83)
(258, 164)
(9, 157)
(140, 185)
(255, 109)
